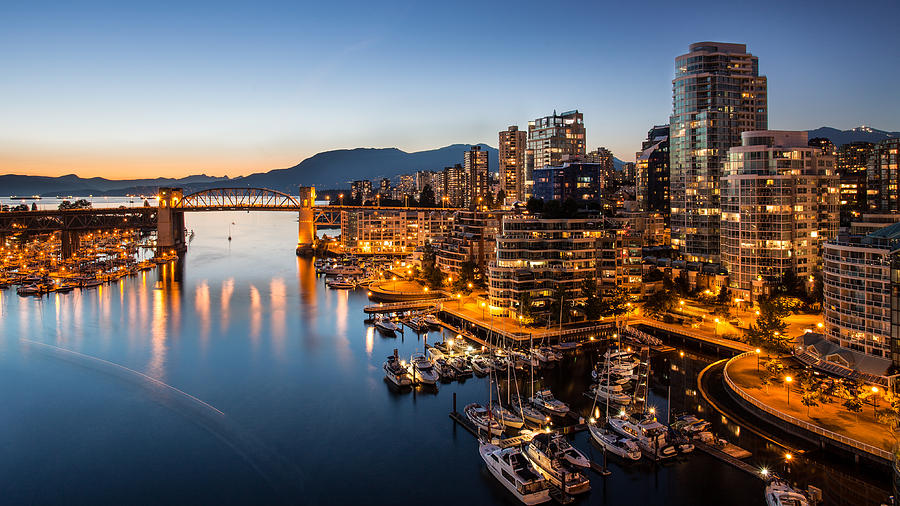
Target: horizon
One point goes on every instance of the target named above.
(126, 92)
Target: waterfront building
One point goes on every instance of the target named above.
(652, 172)
(604, 158)
(478, 184)
(883, 177)
(471, 238)
(512, 163)
(851, 164)
(779, 204)
(376, 231)
(571, 180)
(717, 94)
(361, 190)
(552, 140)
(456, 186)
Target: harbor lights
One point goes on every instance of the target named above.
(757, 359)
(787, 383)
(764, 472)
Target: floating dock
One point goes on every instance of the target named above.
(730, 454)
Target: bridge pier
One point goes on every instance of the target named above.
(306, 233)
(170, 222)
(70, 242)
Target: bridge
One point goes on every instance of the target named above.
(168, 216)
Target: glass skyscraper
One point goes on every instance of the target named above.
(717, 94)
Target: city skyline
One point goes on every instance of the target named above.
(236, 90)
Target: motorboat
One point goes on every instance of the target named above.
(340, 283)
(528, 412)
(622, 446)
(611, 393)
(569, 453)
(432, 321)
(344, 270)
(780, 493)
(507, 417)
(690, 424)
(395, 371)
(481, 365)
(649, 434)
(417, 325)
(422, 370)
(444, 369)
(515, 473)
(543, 452)
(481, 417)
(26, 290)
(544, 400)
(461, 366)
(384, 324)
(433, 353)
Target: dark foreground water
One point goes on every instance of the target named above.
(242, 380)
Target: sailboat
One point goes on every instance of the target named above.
(229, 231)
(623, 446)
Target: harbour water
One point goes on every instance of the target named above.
(239, 378)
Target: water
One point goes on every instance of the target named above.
(240, 378)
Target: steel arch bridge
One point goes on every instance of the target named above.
(237, 199)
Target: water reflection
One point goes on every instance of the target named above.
(227, 291)
(277, 298)
(156, 366)
(256, 311)
(201, 306)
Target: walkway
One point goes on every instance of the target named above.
(832, 417)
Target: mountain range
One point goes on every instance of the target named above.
(326, 170)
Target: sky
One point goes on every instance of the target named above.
(146, 89)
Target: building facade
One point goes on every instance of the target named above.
(471, 238)
(779, 205)
(372, 231)
(512, 163)
(456, 185)
(717, 94)
(478, 183)
(552, 140)
(851, 164)
(572, 180)
(652, 172)
(883, 177)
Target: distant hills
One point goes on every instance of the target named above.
(329, 169)
(858, 134)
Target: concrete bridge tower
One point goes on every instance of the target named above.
(306, 234)
(169, 221)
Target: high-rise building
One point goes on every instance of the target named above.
(361, 190)
(883, 177)
(604, 158)
(571, 180)
(850, 165)
(652, 172)
(477, 175)
(553, 140)
(717, 94)
(779, 205)
(512, 163)
(455, 186)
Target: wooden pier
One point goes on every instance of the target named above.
(730, 454)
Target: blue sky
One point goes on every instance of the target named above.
(170, 88)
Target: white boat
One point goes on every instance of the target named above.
(781, 493)
(649, 434)
(690, 424)
(569, 453)
(481, 365)
(385, 325)
(515, 473)
(395, 371)
(432, 321)
(422, 370)
(528, 412)
(443, 368)
(433, 353)
(543, 453)
(611, 393)
(617, 445)
(340, 283)
(461, 366)
(481, 417)
(344, 270)
(545, 401)
(507, 417)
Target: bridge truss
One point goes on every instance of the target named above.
(42, 222)
(238, 199)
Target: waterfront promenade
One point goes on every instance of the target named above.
(831, 417)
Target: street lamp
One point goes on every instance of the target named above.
(458, 300)
(787, 382)
(342, 198)
(757, 359)
(482, 310)
(875, 401)
(716, 328)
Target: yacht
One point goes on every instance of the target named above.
(569, 453)
(384, 324)
(781, 493)
(340, 283)
(481, 365)
(515, 473)
(443, 368)
(344, 270)
(617, 445)
(528, 412)
(543, 453)
(422, 370)
(481, 417)
(649, 434)
(545, 401)
(611, 393)
(432, 321)
(507, 417)
(461, 366)
(690, 424)
(395, 371)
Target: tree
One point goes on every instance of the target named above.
(615, 303)
(501, 197)
(769, 330)
(771, 373)
(809, 387)
(535, 205)
(466, 277)
(724, 295)
(851, 391)
(426, 197)
(526, 308)
(660, 302)
(560, 306)
(592, 306)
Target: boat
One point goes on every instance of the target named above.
(544, 400)
(344, 270)
(432, 321)
(527, 411)
(422, 370)
(507, 417)
(340, 283)
(417, 325)
(569, 453)
(649, 434)
(444, 369)
(543, 452)
(93, 283)
(26, 290)
(690, 424)
(780, 493)
(461, 366)
(611, 393)
(384, 324)
(433, 353)
(481, 365)
(515, 473)
(481, 417)
(395, 371)
(622, 446)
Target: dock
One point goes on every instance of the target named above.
(730, 454)
(397, 307)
